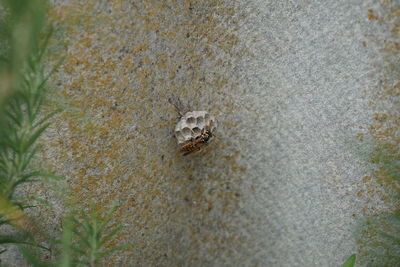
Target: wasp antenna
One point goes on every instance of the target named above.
(179, 106)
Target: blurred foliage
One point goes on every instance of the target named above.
(83, 241)
(91, 232)
(350, 261)
(379, 235)
(379, 241)
(21, 126)
(21, 24)
(386, 157)
(23, 42)
(22, 91)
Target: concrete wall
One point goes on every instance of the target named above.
(288, 82)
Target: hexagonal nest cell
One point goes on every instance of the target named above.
(192, 124)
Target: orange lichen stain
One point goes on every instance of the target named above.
(162, 61)
(364, 43)
(392, 47)
(371, 14)
(382, 183)
(380, 117)
(116, 121)
(367, 178)
(395, 30)
(141, 47)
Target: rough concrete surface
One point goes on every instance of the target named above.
(288, 82)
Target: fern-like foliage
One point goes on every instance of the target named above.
(22, 92)
(84, 241)
(19, 131)
(90, 235)
(85, 235)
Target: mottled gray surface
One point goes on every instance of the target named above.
(306, 78)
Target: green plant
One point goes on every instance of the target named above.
(91, 232)
(22, 92)
(21, 128)
(379, 234)
(21, 24)
(350, 261)
(83, 241)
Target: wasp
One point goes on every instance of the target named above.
(198, 143)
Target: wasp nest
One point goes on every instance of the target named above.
(192, 124)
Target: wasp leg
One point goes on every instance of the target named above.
(192, 151)
(183, 139)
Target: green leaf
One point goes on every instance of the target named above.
(111, 250)
(350, 261)
(53, 70)
(27, 179)
(78, 250)
(35, 136)
(110, 235)
(14, 107)
(14, 117)
(42, 174)
(66, 242)
(3, 222)
(33, 257)
(4, 59)
(82, 237)
(8, 142)
(2, 178)
(46, 118)
(15, 185)
(45, 43)
(30, 198)
(108, 217)
(21, 205)
(27, 158)
(19, 239)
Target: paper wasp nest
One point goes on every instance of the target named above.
(192, 124)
